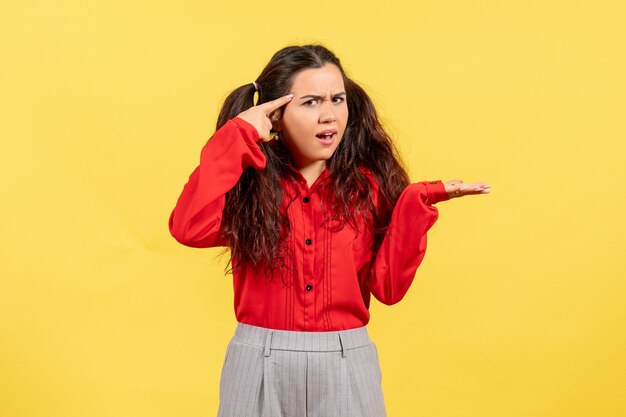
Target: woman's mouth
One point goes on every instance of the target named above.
(326, 139)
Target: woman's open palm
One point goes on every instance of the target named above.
(457, 188)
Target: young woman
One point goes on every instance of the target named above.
(306, 189)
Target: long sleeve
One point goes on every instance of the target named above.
(196, 219)
(391, 272)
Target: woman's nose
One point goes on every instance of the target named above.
(327, 115)
(328, 118)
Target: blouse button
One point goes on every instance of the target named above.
(305, 199)
(309, 287)
(308, 241)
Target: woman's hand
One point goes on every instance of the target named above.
(259, 115)
(457, 188)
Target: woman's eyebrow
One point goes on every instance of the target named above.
(343, 93)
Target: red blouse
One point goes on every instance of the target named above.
(332, 273)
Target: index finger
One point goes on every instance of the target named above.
(270, 106)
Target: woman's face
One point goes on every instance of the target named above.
(319, 104)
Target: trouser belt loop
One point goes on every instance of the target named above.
(343, 348)
(268, 342)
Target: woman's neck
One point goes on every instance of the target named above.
(312, 171)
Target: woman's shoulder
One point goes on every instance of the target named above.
(367, 171)
(372, 180)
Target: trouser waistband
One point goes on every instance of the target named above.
(268, 339)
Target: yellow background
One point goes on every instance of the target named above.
(519, 306)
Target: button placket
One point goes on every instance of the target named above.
(308, 253)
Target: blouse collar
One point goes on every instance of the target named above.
(302, 181)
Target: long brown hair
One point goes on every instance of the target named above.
(252, 221)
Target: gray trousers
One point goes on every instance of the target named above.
(281, 373)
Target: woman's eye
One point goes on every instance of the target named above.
(340, 100)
